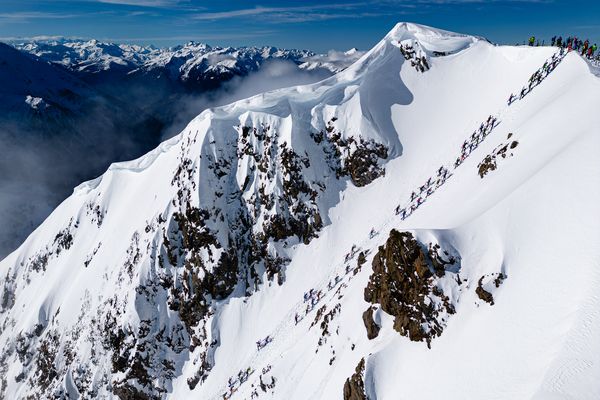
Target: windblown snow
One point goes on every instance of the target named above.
(396, 231)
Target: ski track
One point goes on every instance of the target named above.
(284, 333)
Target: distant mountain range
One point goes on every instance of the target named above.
(191, 64)
(69, 108)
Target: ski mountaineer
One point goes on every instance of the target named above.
(532, 40)
(510, 99)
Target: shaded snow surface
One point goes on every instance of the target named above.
(533, 219)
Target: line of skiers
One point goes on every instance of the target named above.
(233, 384)
(313, 296)
(427, 189)
(430, 186)
(584, 47)
(261, 343)
(476, 138)
(538, 76)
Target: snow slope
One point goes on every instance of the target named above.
(158, 279)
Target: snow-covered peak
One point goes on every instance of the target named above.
(334, 240)
(432, 39)
(181, 62)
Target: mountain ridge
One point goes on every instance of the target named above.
(238, 258)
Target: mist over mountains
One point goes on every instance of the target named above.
(72, 107)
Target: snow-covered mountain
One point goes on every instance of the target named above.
(189, 63)
(55, 130)
(395, 231)
(104, 102)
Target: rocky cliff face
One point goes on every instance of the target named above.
(405, 282)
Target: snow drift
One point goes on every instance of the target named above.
(262, 253)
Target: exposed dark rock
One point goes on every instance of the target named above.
(358, 159)
(354, 388)
(490, 162)
(499, 279)
(484, 294)
(362, 165)
(404, 283)
(372, 327)
(416, 56)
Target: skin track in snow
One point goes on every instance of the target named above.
(232, 261)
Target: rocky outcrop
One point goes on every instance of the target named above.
(370, 325)
(414, 53)
(354, 388)
(484, 294)
(405, 283)
(490, 161)
(358, 158)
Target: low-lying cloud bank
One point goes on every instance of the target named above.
(42, 162)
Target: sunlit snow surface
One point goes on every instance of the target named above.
(535, 219)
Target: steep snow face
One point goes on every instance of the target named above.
(264, 252)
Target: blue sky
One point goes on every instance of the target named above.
(317, 25)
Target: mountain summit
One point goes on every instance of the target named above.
(395, 231)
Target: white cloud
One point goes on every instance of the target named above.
(287, 13)
(27, 15)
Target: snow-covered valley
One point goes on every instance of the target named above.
(396, 231)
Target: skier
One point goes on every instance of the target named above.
(413, 196)
(523, 92)
(510, 99)
(403, 214)
(532, 40)
(586, 44)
